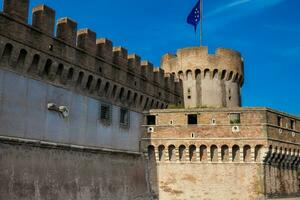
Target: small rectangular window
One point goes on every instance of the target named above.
(292, 124)
(235, 118)
(124, 117)
(192, 119)
(151, 120)
(105, 113)
(279, 121)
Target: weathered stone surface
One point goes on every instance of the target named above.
(30, 172)
(212, 80)
(217, 158)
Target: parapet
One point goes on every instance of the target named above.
(18, 9)
(226, 62)
(86, 39)
(104, 48)
(134, 62)
(89, 60)
(120, 55)
(66, 30)
(43, 18)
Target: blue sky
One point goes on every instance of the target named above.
(266, 32)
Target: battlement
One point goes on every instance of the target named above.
(224, 64)
(208, 79)
(78, 57)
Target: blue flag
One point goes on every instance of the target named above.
(194, 16)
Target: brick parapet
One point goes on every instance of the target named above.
(227, 63)
(255, 130)
(212, 80)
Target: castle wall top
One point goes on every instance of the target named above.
(81, 50)
(222, 122)
(194, 58)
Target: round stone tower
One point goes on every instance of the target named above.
(208, 80)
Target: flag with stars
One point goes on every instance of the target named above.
(194, 17)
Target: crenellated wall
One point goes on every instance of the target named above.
(76, 59)
(217, 156)
(208, 80)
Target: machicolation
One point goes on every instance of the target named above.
(208, 79)
(75, 59)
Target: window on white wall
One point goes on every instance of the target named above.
(105, 114)
(124, 117)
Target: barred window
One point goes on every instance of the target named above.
(105, 113)
(124, 117)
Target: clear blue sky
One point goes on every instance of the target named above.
(266, 32)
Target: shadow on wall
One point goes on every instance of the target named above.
(152, 172)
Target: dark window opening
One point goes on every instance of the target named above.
(47, 67)
(114, 90)
(124, 117)
(128, 95)
(146, 104)
(235, 118)
(151, 120)
(60, 69)
(7, 52)
(21, 58)
(89, 82)
(292, 124)
(135, 97)
(80, 78)
(34, 64)
(121, 94)
(189, 97)
(105, 113)
(192, 119)
(98, 84)
(106, 88)
(279, 121)
(70, 73)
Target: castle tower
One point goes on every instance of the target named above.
(208, 80)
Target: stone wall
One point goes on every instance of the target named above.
(40, 171)
(210, 181)
(220, 157)
(212, 80)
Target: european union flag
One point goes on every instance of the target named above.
(194, 16)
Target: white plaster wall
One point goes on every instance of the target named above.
(24, 113)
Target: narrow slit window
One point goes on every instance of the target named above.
(279, 121)
(292, 124)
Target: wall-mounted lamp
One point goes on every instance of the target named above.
(61, 109)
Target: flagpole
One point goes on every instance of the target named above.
(201, 22)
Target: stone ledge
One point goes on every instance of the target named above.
(64, 146)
